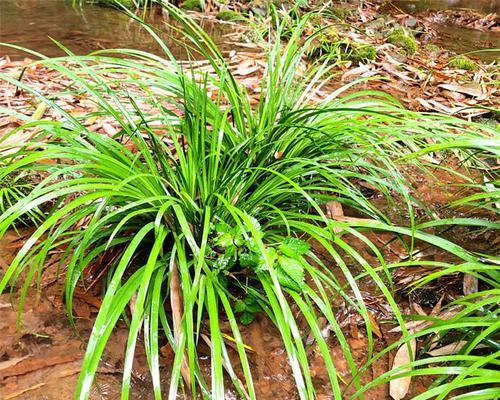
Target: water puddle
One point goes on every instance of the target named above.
(455, 37)
(483, 6)
(32, 24)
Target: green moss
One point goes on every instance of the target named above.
(363, 53)
(433, 48)
(229, 15)
(324, 41)
(462, 62)
(340, 12)
(194, 5)
(404, 40)
(329, 45)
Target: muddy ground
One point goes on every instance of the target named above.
(42, 359)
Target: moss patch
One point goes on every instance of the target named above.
(340, 12)
(363, 53)
(462, 62)
(194, 5)
(329, 45)
(432, 48)
(324, 42)
(404, 40)
(229, 15)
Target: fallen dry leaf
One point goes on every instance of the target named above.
(470, 89)
(177, 306)
(374, 324)
(246, 67)
(335, 211)
(18, 393)
(418, 309)
(417, 326)
(398, 388)
(451, 348)
(470, 285)
(437, 308)
(109, 129)
(10, 363)
(32, 364)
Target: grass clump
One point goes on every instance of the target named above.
(403, 39)
(229, 16)
(193, 5)
(463, 62)
(215, 210)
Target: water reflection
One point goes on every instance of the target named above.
(31, 24)
(455, 37)
(483, 6)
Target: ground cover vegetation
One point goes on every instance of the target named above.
(216, 209)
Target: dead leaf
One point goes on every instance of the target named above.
(109, 129)
(470, 89)
(451, 348)
(32, 364)
(437, 308)
(352, 73)
(418, 309)
(246, 67)
(417, 326)
(64, 374)
(132, 303)
(167, 352)
(9, 363)
(355, 331)
(177, 306)
(374, 325)
(470, 285)
(334, 210)
(398, 388)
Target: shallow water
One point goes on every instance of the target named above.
(458, 38)
(32, 24)
(483, 6)
(464, 40)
